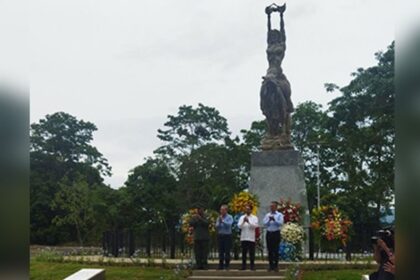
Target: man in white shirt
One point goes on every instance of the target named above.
(273, 222)
(248, 223)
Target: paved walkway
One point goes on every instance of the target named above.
(259, 274)
(98, 259)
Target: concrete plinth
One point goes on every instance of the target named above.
(279, 174)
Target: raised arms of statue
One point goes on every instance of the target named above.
(268, 20)
(280, 9)
(282, 29)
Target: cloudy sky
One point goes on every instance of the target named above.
(125, 65)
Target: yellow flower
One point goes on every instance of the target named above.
(241, 200)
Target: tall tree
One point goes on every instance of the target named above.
(310, 137)
(362, 135)
(74, 208)
(213, 173)
(207, 163)
(151, 187)
(151, 190)
(66, 139)
(60, 148)
(190, 129)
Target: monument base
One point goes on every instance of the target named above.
(279, 174)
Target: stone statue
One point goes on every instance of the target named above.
(275, 92)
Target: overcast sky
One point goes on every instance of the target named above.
(125, 65)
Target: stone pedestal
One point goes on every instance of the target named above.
(279, 174)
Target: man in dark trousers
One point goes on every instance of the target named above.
(200, 223)
(224, 236)
(273, 222)
(248, 223)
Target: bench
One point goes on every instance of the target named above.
(87, 274)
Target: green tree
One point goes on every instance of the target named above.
(362, 137)
(207, 163)
(151, 193)
(190, 129)
(60, 148)
(74, 207)
(213, 173)
(252, 138)
(310, 137)
(66, 139)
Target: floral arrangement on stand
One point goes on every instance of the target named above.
(291, 211)
(292, 232)
(241, 200)
(291, 244)
(237, 208)
(331, 225)
(189, 231)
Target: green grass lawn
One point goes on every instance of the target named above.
(354, 274)
(42, 270)
(56, 271)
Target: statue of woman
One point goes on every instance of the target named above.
(275, 93)
(276, 49)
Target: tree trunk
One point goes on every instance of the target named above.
(148, 243)
(182, 244)
(347, 249)
(378, 213)
(311, 244)
(164, 234)
(173, 240)
(79, 235)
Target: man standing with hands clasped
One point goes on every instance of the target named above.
(224, 236)
(248, 223)
(200, 223)
(273, 221)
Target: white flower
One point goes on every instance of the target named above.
(292, 233)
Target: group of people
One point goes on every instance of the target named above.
(249, 226)
(272, 222)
